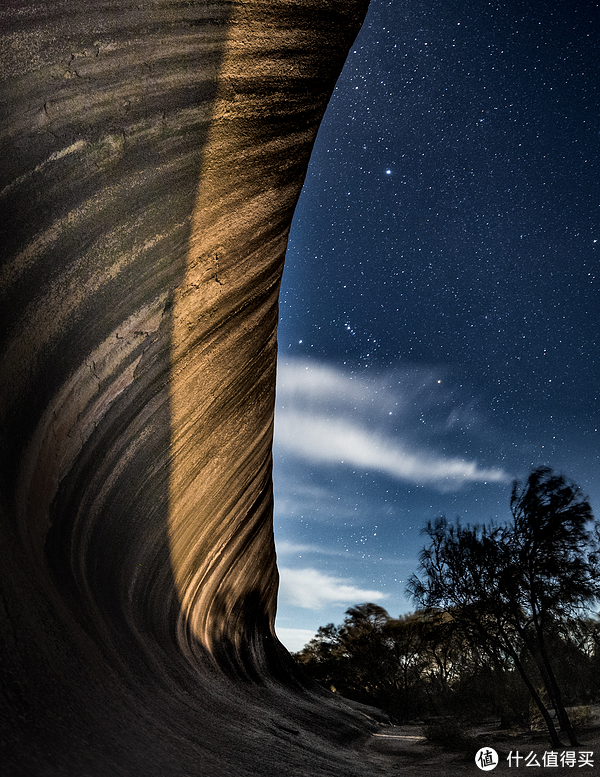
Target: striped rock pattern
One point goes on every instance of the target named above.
(152, 157)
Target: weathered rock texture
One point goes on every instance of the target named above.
(152, 156)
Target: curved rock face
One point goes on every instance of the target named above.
(152, 156)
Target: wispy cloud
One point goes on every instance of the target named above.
(331, 417)
(297, 548)
(314, 590)
(338, 441)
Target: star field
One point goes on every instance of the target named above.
(444, 259)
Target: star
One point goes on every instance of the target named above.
(477, 263)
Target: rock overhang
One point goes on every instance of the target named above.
(154, 157)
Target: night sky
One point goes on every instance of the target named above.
(440, 311)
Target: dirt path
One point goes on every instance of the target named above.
(403, 750)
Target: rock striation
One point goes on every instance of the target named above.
(152, 157)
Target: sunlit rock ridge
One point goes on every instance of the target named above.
(152, 157)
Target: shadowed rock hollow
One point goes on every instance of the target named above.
(152, 157)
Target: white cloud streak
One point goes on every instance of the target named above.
(314, 590)
(327, 416)
(338, 441)
(294, 548)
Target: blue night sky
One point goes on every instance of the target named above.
(440, 311)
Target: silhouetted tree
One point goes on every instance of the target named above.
(323, 659)
(370, 658)
(355, 658)
(426, 659)
(464, 568)
(556, 559)
(509, 585)
(406, 636)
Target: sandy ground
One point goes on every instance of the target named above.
(403, 750)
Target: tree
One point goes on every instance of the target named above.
(510, 585)
(361, 637)
(355, 658)
(556, 556)
(423, 661)
(464, 569)
(409, 666)
(406, 636)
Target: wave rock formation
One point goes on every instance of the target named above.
(152, 157)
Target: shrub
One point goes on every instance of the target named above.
(581, 717)
(450, 734)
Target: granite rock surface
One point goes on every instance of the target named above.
(152, 157)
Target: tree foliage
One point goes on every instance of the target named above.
(512, 586)
(502, 623)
